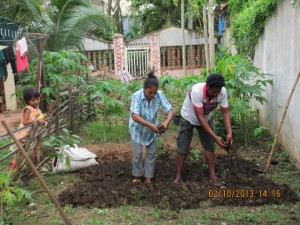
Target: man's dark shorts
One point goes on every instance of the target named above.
(185, 135)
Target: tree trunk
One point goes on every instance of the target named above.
(109, 7)
(117, 14)
(183, 38)
(207, 58)
(211, 32)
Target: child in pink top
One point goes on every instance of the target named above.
(31, 113)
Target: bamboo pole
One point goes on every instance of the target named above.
(57, 112)
(39, 177)
(27, 145)
(70, 108)
(280, 125)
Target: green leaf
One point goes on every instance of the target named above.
(8, 197)
(68, 162)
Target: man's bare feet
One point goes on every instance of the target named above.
(177, 181)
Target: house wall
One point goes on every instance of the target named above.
(278, 53)
(90, 44)
(173, 37)
(180, 72)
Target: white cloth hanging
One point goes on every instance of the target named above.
(22, 46)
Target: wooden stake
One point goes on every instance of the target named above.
(39, 177)
(280, 125)
(70, 106)
(19, 157)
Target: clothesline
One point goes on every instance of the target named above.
(9, 42)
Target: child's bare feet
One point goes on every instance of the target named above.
(13, 165)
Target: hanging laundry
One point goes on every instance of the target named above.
(22, 54)
(3, 68)
(10, 57)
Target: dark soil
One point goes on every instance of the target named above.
(109, 184)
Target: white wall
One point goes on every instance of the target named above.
(278, 53)
(172, 36)
(90, 44)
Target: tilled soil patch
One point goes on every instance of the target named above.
(109, 184)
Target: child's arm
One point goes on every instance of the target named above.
(26, 118)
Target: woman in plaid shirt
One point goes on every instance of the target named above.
(143, 126)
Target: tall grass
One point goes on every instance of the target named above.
(98, 132)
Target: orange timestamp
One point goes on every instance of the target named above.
(244, 193)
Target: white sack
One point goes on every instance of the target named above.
(79, 158)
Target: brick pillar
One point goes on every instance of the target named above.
(155, 54)
(118, 53)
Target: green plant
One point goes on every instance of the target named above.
(10, 193)
(259, 131)
(94, 132)
(194, 155)
(294, 3)
(68, 208)
(110, 99)
(244, 82)
(56, 143)
(100, 211)
(94, 221)
(248, 21)
(160, 151)
(61, 68)
(225, 173)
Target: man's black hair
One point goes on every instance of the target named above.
(215, 81)
(151, 80)
(30, 93)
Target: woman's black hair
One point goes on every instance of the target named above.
(215, 81)
(151, 80)
(30, 93)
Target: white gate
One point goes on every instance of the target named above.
(137, 61)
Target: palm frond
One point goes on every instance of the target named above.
(82, 22)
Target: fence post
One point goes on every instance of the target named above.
(57, 112)
(155, 54)
(39, 177)
(71, 114)
(118, 53)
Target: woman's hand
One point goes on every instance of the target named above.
(154, 128)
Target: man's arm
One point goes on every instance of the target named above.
(200, 115)
(227, 124)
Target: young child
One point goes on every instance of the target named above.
(31, 113)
